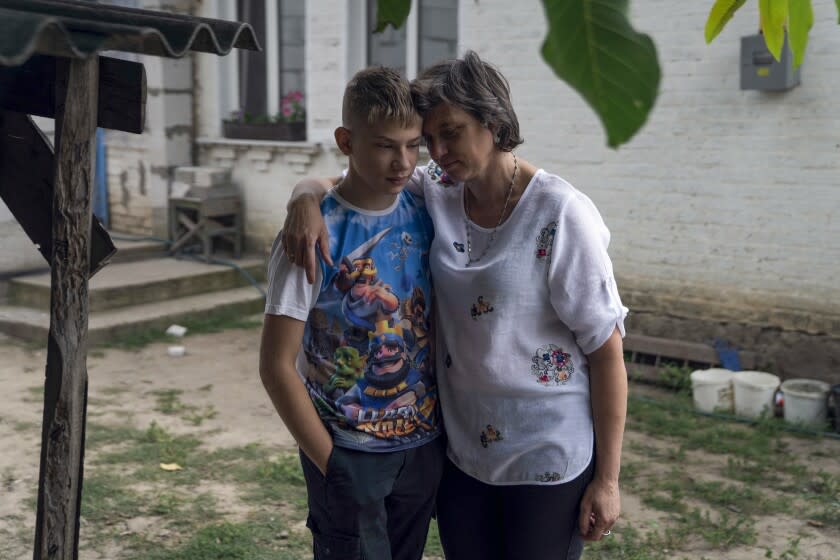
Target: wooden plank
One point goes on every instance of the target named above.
(30, 89)
(681, 350)
(65, 396)
(27, 166)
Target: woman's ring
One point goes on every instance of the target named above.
(608, 533)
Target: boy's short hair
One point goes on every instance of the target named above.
(378, 94)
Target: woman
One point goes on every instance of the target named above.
(529, 357)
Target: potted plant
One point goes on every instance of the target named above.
(288, 124)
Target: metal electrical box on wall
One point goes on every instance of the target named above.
(759, 70)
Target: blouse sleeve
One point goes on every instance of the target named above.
(581, 283)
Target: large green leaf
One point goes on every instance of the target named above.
(721, 13)
(838, 10)
(800, 20)
(773, 14)
(592, 47)
(391, 12)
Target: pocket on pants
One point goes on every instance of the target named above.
(327, 547)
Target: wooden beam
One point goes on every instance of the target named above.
(65, 396)
(30, 88)
(27, 166)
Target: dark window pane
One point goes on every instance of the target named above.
(386, 48)
(438, 31)
(252, 75)
(291, 24)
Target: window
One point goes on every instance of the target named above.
(265, 77)
(430, 34)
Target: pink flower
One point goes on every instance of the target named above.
(287, 111)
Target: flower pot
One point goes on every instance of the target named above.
(290, 131)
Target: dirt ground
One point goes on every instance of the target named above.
(220, 370)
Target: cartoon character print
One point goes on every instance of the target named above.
(547, 476)
(322, 343)
(551, 366)
(376, 381)
(367, 299)
(415, 326)
(349, 368)
(481, 307)
(545, 240)
(490, 435)
(438, 175)
(390, 399)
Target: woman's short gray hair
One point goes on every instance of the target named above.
(475, 86)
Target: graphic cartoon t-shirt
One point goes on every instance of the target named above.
(366, 355)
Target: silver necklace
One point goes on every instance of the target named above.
(468, 227)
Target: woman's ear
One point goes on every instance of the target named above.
(342, 140)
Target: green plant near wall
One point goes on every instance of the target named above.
(797, 16)
(592, 46)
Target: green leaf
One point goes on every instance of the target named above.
(838, 10)
(592, 46)
(721, 13)
(773, 15)
(799, 24)
(391, 12)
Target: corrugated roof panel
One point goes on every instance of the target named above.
(78, 28)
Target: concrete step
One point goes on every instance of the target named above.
(132, 248)
(110, 324)
(147, 281)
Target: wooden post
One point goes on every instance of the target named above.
(65, 396)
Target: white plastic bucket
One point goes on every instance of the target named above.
(754, 392)
(712, 390)
(806, 401)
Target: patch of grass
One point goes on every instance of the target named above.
(216, 322)
(258, 538)
(675, 377)
(22, 426)
(99, 435)
(106, 497)
(150, 448)
(34, 394)
(791, 552)
(725, 533)
(274, 481)
(628, 543)
(169, 402)
(739, 499)
(433, 546)
(824, 499)
(197, 417)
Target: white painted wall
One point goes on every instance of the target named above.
(728, 202)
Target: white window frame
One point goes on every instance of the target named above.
(357, 44)
(229, 65)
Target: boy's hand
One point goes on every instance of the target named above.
(303, 229)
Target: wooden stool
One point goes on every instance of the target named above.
(203, 219)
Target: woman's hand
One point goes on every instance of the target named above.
(599, 509)
(304, 228)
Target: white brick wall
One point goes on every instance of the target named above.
(727, 197)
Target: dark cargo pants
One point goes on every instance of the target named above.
(373, 506)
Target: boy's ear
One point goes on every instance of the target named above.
(342, 140)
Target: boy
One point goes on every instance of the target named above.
(346, 360)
